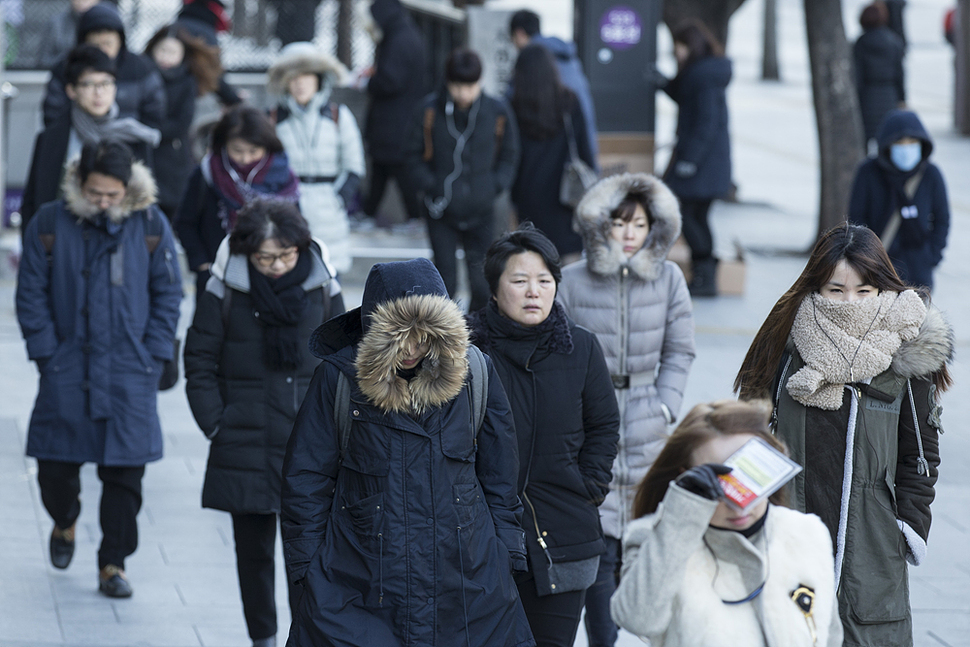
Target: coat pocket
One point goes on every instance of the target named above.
(468, 503)
(366, 519)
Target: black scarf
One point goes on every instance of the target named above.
(280, 305)
(519, 343)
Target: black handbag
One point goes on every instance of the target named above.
(577, 176)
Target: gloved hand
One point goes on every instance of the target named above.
(702, 480)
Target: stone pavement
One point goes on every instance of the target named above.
(186, 594)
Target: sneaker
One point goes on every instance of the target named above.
(62, 546)
(113, 583)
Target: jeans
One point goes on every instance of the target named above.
(600, 629)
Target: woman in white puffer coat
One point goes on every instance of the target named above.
(637, 304)
(322, 142)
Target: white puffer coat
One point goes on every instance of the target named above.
(640, 311)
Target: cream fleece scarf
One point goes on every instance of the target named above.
(843, 342)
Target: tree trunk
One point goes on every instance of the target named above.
(836, 108)
(345, 33)
(961, 94)
(713, 13)
(769, 53)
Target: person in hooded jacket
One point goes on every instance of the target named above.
(636, 303)
(141, 93)
(901, 195)
(247, 369)
(98, 303)
(322, 142)
(880, 79)
(700, 165)
(404, 528)
(855, 362)
(566, 422)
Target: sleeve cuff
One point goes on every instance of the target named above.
(917, 546)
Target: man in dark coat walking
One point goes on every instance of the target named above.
(880, 79)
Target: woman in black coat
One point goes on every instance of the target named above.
(880, 79)
(549, 116)
(566, 421)
(247, 370)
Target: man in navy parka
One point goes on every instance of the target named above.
(412, 536)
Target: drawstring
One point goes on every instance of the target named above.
(464, 606)
(380, 597)
(922, 465)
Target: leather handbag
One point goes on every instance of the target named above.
(577, 176)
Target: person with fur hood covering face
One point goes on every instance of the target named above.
(637, 304)
(403, 527)
(855, 362)
(322, 141)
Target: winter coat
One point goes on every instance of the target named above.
(640, 311)
(488, 161)
(398, 83)
(879, 75)
(245, 408)
(325, 150)
(173, 157)
(566, 421)
(57, 39)
(862, 477)
(918, 245)
(99, 321)
(678, 570)
(703, 139)
(536, 189)
(410, 538)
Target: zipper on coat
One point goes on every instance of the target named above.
(535, 522)
(380, 568)
(773, 424)
(464, 604)
(624, 334)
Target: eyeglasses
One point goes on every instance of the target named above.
(95, 86)
(267, 260)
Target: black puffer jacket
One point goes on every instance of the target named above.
(880, 80)
(173, 157)
(567, 423)
(245, 408)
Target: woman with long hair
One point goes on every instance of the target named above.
(698, 571)
(854, 362)
(549, 118)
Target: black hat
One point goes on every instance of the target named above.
(100, 17)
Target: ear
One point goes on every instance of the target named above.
(71, 93)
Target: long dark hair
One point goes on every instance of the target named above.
(699, 39)
(202, 60)
(703, 423)
(539, 99)
(248, 123)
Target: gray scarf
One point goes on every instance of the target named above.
(93, 129)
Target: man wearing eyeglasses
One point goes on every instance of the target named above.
(93, 116)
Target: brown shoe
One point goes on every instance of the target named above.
(113, 583)
(62, 546)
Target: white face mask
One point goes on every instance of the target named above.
(905, 157)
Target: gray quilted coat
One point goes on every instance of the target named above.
(640, 311)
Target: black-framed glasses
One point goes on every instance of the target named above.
(267, 260)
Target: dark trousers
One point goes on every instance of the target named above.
(553, 619)
(696, 228)
(60, 487)
(255, 536)
(600, 629)
(475, 240)
(379, 175)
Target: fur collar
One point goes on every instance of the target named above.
(441, 376)
(931, 349)
(140, 194)
(294, 61)
(604, 255)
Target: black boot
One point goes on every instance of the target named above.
(703, 282)
(62, 546)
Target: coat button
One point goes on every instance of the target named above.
(553, 586)
(356, 412)
(430, 600)
(289, 380)
(430, 521)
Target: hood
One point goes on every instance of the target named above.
(898, 124)
(101, 17)
(386, 12)
(559, 48)
(303, 58)
(929, 351)
(140, 193)
(604, 255)
(233, 269)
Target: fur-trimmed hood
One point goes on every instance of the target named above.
(604, 255)
(929, 351)
(140, 193)
(303, 58)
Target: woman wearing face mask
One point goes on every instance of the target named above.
(637, 304)
(246, 160)
(566, 421)
(901, 195)
(854, 363)
(698, 572)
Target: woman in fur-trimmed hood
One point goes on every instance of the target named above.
(409, 533)
(855, 362)
(637, 304)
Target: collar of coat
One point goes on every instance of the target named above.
(395, 325)
(489, 319)
(140, 193)
(233, 269)
(604, 255)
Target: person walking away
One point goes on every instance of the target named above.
(395, 86)
(696, 571)
(636, 303)
(551, 124)
(247, 369)
(60, 34)
(246, 161)
(700, 165)
(321, 140)
(98, 296)
(401, 522)
(462, 151)
(855, 362)
(901, 196)
(91, 87)
(566, 422)
(880, 79)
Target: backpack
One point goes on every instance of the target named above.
(430, 112)
(478, 394)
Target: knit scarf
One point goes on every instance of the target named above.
(280, 305)
(92, 129)
(236, 185)
(843, 342)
